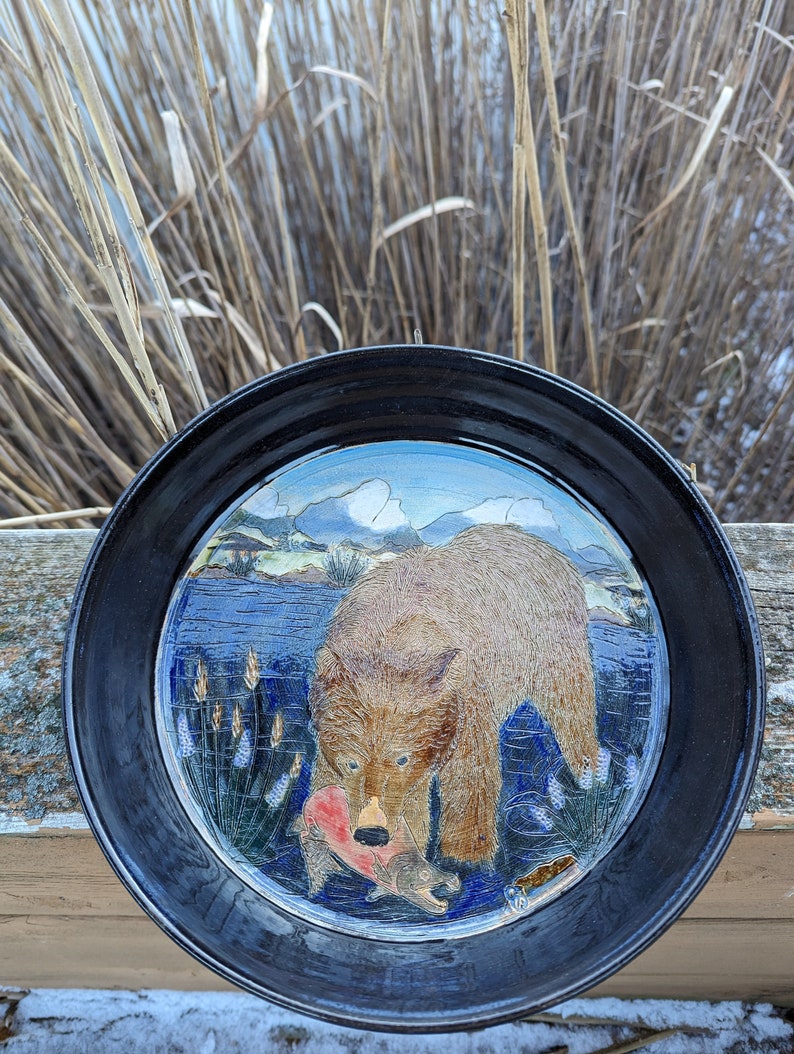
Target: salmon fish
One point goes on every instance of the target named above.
(397, 868)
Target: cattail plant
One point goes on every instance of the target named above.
(239, 774)
(276, 730)
(577, 818)
(251, 676)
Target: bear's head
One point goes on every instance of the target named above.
(385, 722)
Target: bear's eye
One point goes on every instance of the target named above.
(402, 760)
(352, 764)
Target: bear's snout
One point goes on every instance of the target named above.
(371, 825)
(373, 836)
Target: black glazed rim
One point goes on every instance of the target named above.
(567, 945)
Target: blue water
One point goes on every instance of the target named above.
(545, 813)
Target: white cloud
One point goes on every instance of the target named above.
(531, 513)
(492, 510)
(367, 515)
(267, 504)
(372, 505)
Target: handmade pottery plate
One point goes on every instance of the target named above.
(413, 688)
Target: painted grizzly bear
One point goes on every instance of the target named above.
(425, 658)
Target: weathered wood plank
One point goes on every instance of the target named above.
(40, 571)
(96, 951)
(751, 960)
(755, 879)
(766, 553)
(60, 873)
(65, 873)
(65, 919)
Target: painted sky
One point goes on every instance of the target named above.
(414, 485)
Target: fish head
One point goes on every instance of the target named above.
(415, 878)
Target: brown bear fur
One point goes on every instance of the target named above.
(427, 656)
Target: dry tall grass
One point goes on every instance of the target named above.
(194, 193)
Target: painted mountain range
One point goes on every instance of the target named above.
(265, 536)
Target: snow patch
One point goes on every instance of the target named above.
(63, 1021)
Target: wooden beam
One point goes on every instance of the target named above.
(40, 571)
(62, 873)
(66, 920)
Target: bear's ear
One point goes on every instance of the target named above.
(332, 683)
(329, 667)
(446, 669)
(326, 664)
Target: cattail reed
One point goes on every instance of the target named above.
(578, 816)
(237, 721)
(201, 684)
(187, 744)
(277, 730)
(251, 677)
(632, 771)
(542, 817)
(232, 763)
(555, 792)
(604, 762)
(244, 753)
(277, 792)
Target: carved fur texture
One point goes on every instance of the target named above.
(427, 656)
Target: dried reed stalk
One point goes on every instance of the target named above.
(558, 153)
(525, 163)
(92, 96)
(515, 16)
(303, 200)
(229, 205)
(376, 236)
